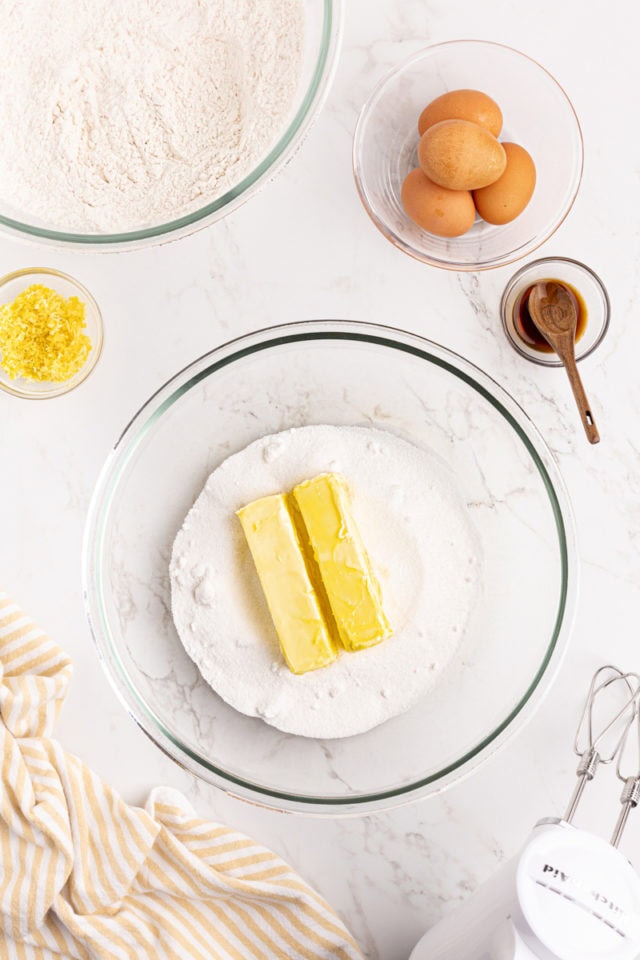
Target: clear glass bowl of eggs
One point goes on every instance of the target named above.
(468, 156)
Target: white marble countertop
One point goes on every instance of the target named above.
(304, 248)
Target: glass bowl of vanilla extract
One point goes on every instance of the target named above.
(590, 298)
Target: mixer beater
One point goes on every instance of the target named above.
(569, 894)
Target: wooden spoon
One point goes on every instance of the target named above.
(554, 313)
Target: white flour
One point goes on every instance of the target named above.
(120, 113)
(417, 532)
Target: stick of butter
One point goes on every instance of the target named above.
(352, 591)
(303, 635)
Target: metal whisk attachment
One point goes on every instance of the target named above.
(613, 694)
(630, 796)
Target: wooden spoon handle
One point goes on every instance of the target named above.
(581, 400)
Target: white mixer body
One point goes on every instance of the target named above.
(568, 895)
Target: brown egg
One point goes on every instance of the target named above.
(503, 200)
(470, 105)
(460, 155)
(447, 213)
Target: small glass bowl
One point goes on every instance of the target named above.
(13, 284)
(537, 114)
(576, 274)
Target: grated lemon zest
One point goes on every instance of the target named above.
(41, 335)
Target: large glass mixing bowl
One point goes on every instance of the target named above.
(338, 373)
(323, 23)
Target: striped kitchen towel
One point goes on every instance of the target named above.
(83, 875)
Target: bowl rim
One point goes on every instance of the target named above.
(66, 386)
(282, 151)
(550, 360)
(273, 337)
(450, 264)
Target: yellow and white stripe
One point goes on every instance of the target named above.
(83, 875)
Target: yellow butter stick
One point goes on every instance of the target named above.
(351, 588)
(303, 635)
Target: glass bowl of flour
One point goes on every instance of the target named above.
(125, 127)
(466, 521)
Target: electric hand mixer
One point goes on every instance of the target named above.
(568, 894)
